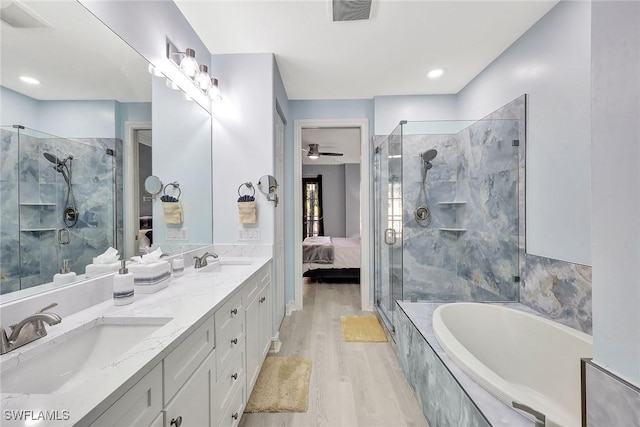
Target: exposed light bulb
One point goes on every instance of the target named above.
(189, 65)
(202, 78)
(154, 71)
(214, 91)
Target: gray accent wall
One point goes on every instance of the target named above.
(352, 199)
(610, 401)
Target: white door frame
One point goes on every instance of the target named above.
(365, 250)
(130, 192)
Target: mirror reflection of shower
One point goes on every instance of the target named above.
(422, 212)
(63, 166)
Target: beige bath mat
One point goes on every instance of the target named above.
(362, 329)
(282, 386)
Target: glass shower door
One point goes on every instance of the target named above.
(388, 225)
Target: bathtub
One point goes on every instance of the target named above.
(517, 356)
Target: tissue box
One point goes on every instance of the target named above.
(97, 269)
(106, 260)
(150, 278)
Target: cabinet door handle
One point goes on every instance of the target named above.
(176, 421)
(235, 416)
(235, 376)
(234, 341)
(234, 311)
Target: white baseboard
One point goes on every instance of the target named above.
(291, 307)
(276, 344)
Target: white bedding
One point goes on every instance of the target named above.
(346, 254)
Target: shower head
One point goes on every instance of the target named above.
(53, 159)
(429, 155)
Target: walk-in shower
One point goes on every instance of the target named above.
(58, 199)
(447, 214)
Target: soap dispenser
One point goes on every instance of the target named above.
(65, 276)
(123, 286)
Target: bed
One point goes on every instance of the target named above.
(330, 259)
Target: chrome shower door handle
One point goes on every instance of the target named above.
(390, 236)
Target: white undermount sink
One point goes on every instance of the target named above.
(225, 266)
(76, 354)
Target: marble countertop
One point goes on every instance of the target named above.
(188, 301)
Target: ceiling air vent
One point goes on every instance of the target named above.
(18, 16)
(351, 10)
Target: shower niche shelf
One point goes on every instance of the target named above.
(453, 203)
(452, 230)
(36, 204)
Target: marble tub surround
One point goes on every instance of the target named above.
(560, 290)
(448, 396)
(610, 401)
(188, 302)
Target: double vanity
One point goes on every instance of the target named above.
(187, 355)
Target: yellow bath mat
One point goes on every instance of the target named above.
(282, 386)
(362, 329)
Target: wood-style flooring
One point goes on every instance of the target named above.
(352, 384)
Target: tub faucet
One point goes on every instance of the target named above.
(202, 261)
(541, 419)
(28, 329)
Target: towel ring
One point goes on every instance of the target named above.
(250, 186)
(174, 185)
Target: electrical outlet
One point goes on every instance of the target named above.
(177, 234)
(248, 234)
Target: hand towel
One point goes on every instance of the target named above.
(172, 212)
(247, 212)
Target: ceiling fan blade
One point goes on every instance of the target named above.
(332, 154)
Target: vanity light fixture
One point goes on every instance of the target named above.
(197, 74)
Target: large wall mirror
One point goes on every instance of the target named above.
(78, 142)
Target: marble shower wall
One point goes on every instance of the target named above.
(34, 195)
(610, 401)
(480, 167)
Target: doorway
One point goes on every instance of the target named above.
(363, 227)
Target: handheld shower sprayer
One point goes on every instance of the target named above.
(422, 212)
(70, 213)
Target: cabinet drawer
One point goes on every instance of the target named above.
(230, 313)
(137, 407)
(183, 361)
(264, 276)
(232, 415)
(228, 343)
(229, 381)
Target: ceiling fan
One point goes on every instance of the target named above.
(314, 152)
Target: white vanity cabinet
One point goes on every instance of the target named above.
(207, 379)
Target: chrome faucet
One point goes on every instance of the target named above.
(202, 261)
(28, 329)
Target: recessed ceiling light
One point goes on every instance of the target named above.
(435, 73)
(30, 80)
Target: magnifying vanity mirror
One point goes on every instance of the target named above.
(268, 185)
(90, 94)
(153, 185)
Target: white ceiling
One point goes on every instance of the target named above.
(389, 54)
(334, 140)
(75, 57)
